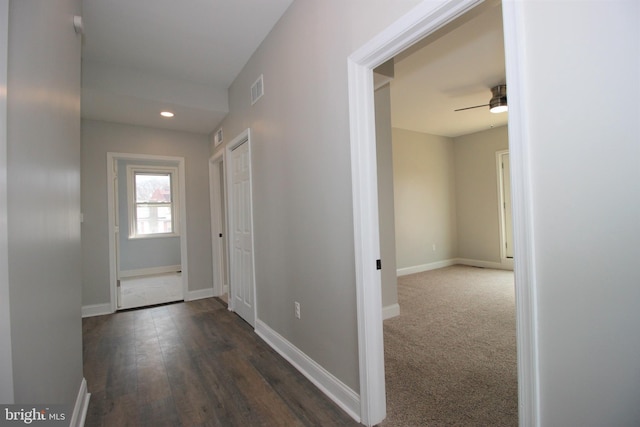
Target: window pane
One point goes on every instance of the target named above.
(153, 203)
(154, 219)
(153, 188)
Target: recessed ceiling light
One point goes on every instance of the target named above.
(166, 114)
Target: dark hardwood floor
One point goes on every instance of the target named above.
(194, 364)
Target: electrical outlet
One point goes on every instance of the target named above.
(296, 304)
(434, 247)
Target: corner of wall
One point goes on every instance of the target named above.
(81, 406)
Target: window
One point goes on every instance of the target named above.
(152, 203)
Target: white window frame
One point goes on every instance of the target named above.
(132, 170)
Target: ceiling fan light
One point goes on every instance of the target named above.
(499, 108)
(498, 103)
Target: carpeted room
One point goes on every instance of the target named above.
(450, 356)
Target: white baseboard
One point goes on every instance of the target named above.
(484, 264)
(390, 311)
(425, 267)
(335, 389)
(96, 310)
(506, 265)
(199, 294)
(149, 271)
(82, 404)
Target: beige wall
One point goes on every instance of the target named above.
(446, 192)
(99, 138)
(425, 202)
(478, 214)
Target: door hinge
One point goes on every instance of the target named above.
(220, 235)
(378, 264)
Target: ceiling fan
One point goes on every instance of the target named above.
(498, 102)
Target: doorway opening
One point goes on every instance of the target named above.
(219, 230)
(503, 167)
(232, 226)
(436, 170)
(425, 20)
(147, 230)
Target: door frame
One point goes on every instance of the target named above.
(242, 138)
(421, 21)
(218, 200)
(501, 203)
(112, 205)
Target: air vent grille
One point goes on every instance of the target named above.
(217, 138)
(257, 90)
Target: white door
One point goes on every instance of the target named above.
(240, 222)
(506, 188)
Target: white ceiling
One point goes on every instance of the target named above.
(454, 68)
(143, 56)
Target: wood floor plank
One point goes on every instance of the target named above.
(193, 364)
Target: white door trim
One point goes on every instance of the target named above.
(113, 225)
(217, 200)
(423, 20)
(244, 137)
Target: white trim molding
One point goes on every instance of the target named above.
(82, 405)
(423, 20)
(389, 311)
(522, 208)
(96, 310)
(485, 264)
(115, 227)
(506, 264)
(335, 389)
(219, 232)
(199, 294)
(152, 271)
(405, 271)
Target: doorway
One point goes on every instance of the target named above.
(506, 216)
(147, 230)
(426, 19)
(219, 230)
(232, 226)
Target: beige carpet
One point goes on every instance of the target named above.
(450, 357)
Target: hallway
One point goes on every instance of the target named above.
(191, 364)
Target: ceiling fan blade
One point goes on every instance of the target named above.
(469, 108)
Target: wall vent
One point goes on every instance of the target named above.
(217, 138)
(257, 90)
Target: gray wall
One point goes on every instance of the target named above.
(584, 155)
(583, 158)
(136, 254)
(302, 174)
(477, 213)
(384, 158)
(98, 138)
(43, 202)
(425, 198)
(6, 363)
